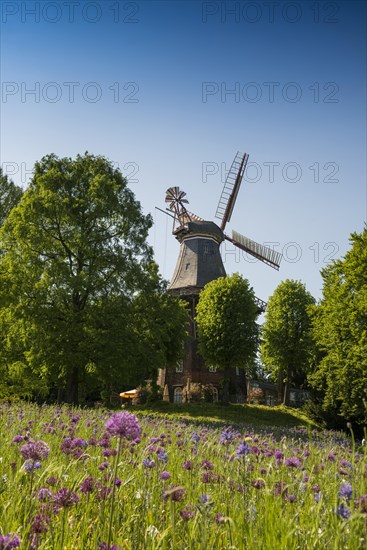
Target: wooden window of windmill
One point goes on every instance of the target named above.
(212, 369)
(179, 366)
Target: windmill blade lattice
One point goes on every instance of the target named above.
(259, 251)
(230, 190)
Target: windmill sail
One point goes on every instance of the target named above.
(259, 251)
(230, 190)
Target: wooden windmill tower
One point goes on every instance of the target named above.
(200, 262)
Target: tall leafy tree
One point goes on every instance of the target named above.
(227, 328)
(287, 347)
(75, 258)
(10, 195)
(340, 330)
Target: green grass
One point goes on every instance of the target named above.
(254, 415)
(185, 484)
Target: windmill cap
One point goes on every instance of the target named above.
(201, 229)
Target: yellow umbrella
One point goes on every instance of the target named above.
(129, 394)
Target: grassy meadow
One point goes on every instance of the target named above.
(186, 477)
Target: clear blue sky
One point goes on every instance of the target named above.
(171, 90)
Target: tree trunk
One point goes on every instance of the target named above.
(287, 388)
(225, 399)
(60, 395)
(281, 386)
(72, 383)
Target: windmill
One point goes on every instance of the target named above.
(200, 262)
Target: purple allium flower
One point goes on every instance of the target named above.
(52, 481)
(293, 462)
(188, 465)
(44, 494)
(220, 519)
(227, 436)
(345, 463)
(205, 498)
(263, 471)
(105, 442)
(187, 513)
(32, 465)
(9, 541)
(148, 463)
(165, 475)
(206, 465)
(17, 439)
(87, 485)
(255, 450)
(118, 482)
(124, 425)
(195, 437)
(103, 491)
(66, 445)
(109, 452)
(346, 491)
(258, 483)
(103, 466)
(175, 493)
(243, 449)
(280, 488)
(316, 488)
(65, 498)
(210, 477)
(35, 450)
(343, 511)
(278, 455)
(103, 546)
(162, 456)
(79, 442)
(361, 504)
(290, 498)
(39, 524)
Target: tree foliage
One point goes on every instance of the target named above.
(10, 195)
(287, 348)
(340, 330)
(75, 265)
(226, 321)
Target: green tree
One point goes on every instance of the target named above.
(10, 195)
(340, 330)
(160, 322)
(75, 260)
(287, 347)
(227, 328)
